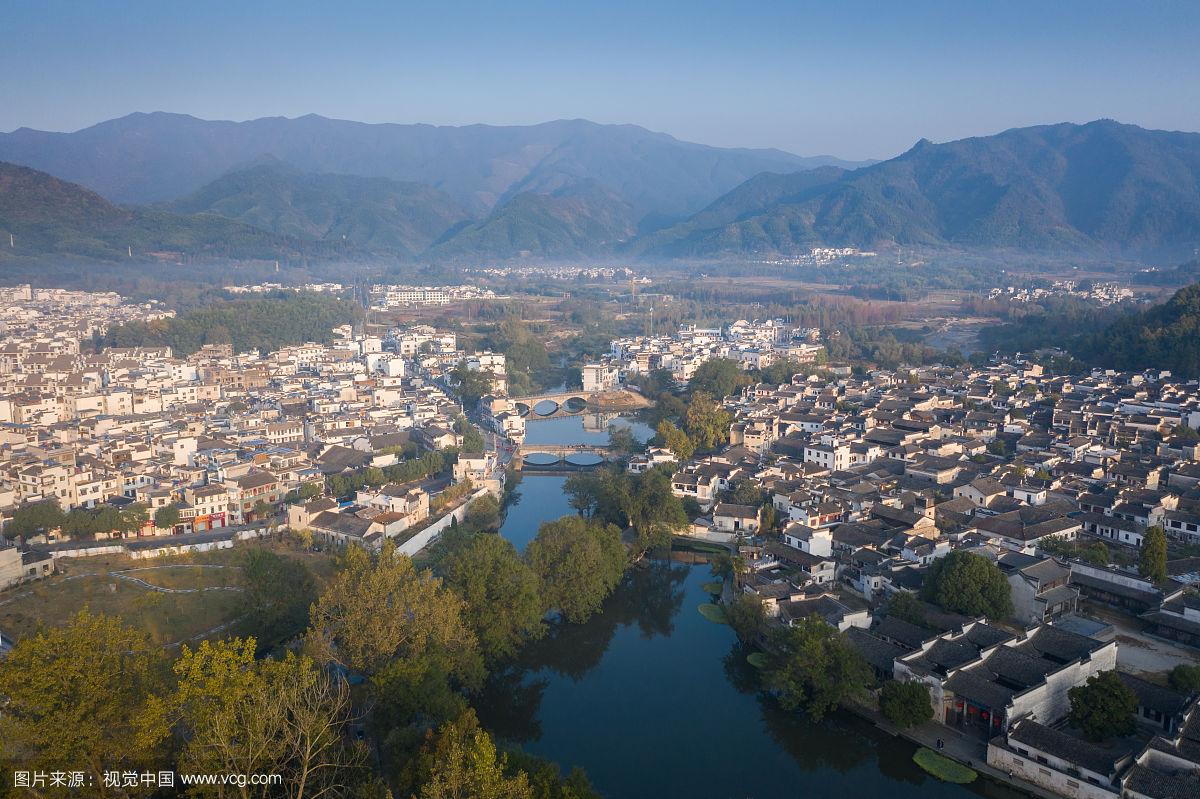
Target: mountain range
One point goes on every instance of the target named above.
(576, 189)
(157, 157)
(1099, 186)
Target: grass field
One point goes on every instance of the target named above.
(714, 613)
(200, 592)
(942, 767)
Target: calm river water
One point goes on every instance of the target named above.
(653, 700)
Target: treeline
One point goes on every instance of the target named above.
(1061, 322)
(266, 323)
(1165, 336)
(418, 468)
(41, 517)
(362, 688)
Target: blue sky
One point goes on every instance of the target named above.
(853, 79)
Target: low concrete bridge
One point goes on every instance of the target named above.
(561, 453)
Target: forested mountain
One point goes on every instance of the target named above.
(1099, 186)
(374, 214)
(576, 221)
(1165, 336)
(576, 189)
(147, 158)
(49, 216)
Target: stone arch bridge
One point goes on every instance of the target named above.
(575, 402)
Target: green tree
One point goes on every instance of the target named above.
(906, 607)
(675, 440)
(579, 563)
(471, 383)
(380, 608)
(653, 511)
(718, 377)
(277, 594)
(503, 603)
(1185, 678)
(39, 517)
(814, 668)
(472, 438)
(729, 567)
(234, 714)
(622, 439)
(166, 517)
(905, 704)
(967, 583)
(461, 761)
(1104, 707)
(707, 423)
(75, 695)
(746, 616)
(746, 492)
(1152, 560)
(132, 518)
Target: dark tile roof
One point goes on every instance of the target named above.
(1156, 697)
(1100, 760)
(1162, 784)
(903, 632)
(876, 651)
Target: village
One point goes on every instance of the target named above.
(833, 493)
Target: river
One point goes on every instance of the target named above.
(653, 700)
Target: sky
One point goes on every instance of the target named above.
(846, 78)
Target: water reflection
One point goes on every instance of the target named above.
(654, 700)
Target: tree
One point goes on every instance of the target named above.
(460, 761)
(1104, 707)
(746, 616)
(814, 668)
(746, 492)
(1152, 560)
(905, 704)
(970, 584)
(166, 517)
(622, 439)
(238, 715)
(718, 377)
(729, 567)
(503, 602)
(1185, 678)
(472, 383)
(133, 518)
(675, 440)
(379, 608)
(653, 510)
(906, 607)
(277, 593)
(472, 438)
(39, 517)
(76, 694)
(262, 510)
(707, 423)
(579, 563)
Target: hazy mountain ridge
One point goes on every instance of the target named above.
(578, 220)
(158, 157)
(376, 214)
(1099, 188)
(1096, 186)
(48, 216)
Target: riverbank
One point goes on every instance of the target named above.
(970, 752)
